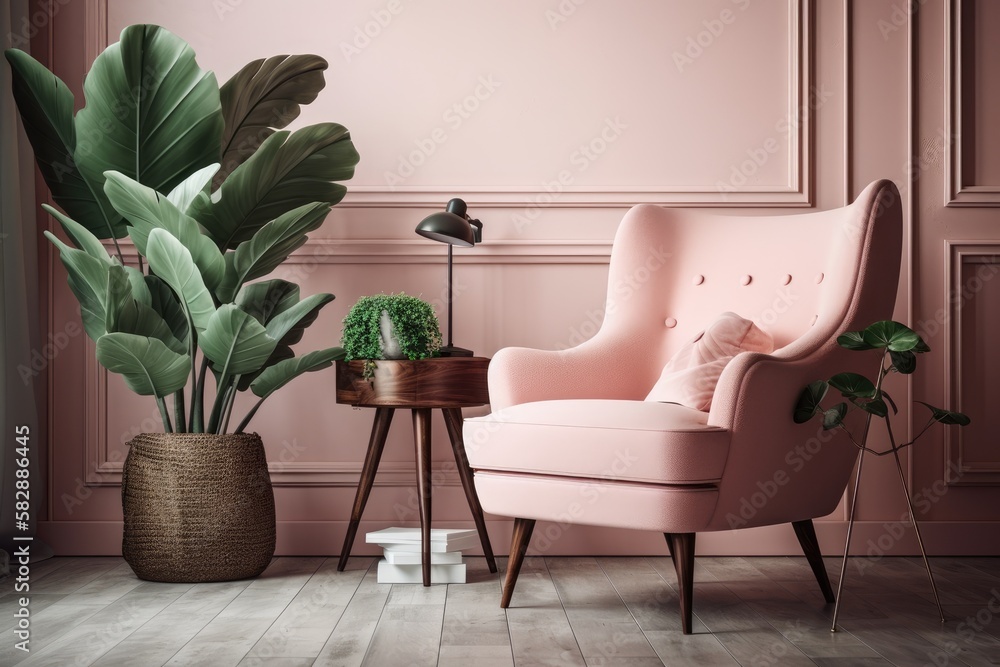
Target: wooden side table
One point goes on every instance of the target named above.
(445, 383)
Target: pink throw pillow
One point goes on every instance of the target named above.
(689, 378)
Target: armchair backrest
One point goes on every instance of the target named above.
(673, 271)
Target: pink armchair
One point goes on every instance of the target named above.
(571, 439)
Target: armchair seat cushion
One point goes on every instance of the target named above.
(635, 441)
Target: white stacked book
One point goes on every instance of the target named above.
(402, 549)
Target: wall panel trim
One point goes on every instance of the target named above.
(102, 469)
(959, 254)
(798, 192)
(957, 192)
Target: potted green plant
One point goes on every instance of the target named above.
(896, 346)
(390, 326)
(213, 194)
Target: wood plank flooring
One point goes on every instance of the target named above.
(565, 611)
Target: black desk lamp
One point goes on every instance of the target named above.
(453, 227)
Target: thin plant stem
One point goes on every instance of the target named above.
(230, 401)
(249, 415)
(164, 415)
(179, 423)
(198, 400)
(193, 347)
(220, 401)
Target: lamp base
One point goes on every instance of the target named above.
(452, 351)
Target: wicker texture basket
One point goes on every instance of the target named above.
(198, 507)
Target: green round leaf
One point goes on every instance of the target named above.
(875, 406)
(892, 335)
(852, 384)
(809, 401)
(853, 340)
(904, 362)
(947, 416)
(833, 417)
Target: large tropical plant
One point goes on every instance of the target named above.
(213, 195)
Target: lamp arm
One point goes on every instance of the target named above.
(477, 229)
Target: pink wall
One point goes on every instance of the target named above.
(550, 119)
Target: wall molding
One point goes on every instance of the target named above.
(798, 192)
(957, 191)
(416, 251)
(960, 254)
(101, 468)
(96, 27)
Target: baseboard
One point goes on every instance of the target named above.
(324, 538)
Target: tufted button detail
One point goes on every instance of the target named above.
(819, 277)
(699, 279)
(746, 280)
(670, 322)
(787, 279)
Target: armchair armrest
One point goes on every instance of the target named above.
(804, 468)
(769, 377)
(603, 367)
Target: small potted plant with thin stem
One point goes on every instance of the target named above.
(896, 347)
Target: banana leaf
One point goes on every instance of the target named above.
(151, 113)
(46, 108)
(269, 247)
(172, 262)
(288, 170)
(264, 96)
(148, 366)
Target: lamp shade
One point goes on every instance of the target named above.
(450, 226)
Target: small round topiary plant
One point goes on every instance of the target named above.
(387, 326)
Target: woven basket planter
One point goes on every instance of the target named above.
(198, 507)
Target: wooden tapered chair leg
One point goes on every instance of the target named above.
(682, 553)
(806, 532)
(518, 546)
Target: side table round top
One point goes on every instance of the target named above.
(439, 382)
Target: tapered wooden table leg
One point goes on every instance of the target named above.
(380, 429)
(422, 444)
(448, 383)
(453, 420)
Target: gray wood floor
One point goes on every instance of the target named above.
(566, 611)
